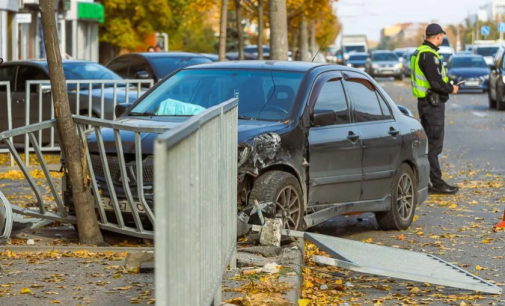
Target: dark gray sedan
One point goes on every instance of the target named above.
(315, 141)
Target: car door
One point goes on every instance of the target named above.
(140, 69)
(495, 74)
(7, 74)
(380, 135)
(334, 147)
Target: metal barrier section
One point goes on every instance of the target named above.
(397, 263)
(114, 171)
(5, 87)
(91, 98)
(196, 204)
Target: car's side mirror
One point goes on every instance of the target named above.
(323, 118)
(142, 75)
(121, 108)
(405, 111)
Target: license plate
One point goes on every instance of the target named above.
(472, 83)
(124, 206)
(386, 71)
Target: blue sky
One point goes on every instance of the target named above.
(369, 16)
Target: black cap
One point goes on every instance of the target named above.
(434, 29)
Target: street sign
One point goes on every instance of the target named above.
(485, 30)
(501, 27)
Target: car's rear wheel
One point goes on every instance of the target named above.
(492, 103)
(403, 202)
(500, 99)
(284, 190)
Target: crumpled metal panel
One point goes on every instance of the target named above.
(397, 263)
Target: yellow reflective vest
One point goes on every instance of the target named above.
(420, 84)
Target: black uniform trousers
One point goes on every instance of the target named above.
(432, 120)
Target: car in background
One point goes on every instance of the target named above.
(487, 51)
(365, 153)
(446, 53)
(330, 54)
(252, 50)
(153, 65)
(358, 60)
(469, 48)
(401, 53)
(496, 93)
(213, 57)
(18, 72)
(446, 43)
(469, 68)
(384, 64)
(464, 52)
(406, 63)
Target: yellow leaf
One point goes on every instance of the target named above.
(401, 237)
(478, 268)
(420, 233)
(308, 284)
(453, 206)
(414, 290)
(415, 218)
(55, 302)
(303, 302)
(25, 290)
(369, 240)
(338, 282)
(462, 304)
(488, 240)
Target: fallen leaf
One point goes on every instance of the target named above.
(479, 268)
(488, 240)
(25, 290)
(303, 302)
(401, 237)
(414, 290)
(55, 302)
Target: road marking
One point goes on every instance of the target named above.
(479, 114)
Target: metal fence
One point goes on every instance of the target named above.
(91, 98)
(196, 198)
(5, 86)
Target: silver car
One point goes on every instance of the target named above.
(384, 64)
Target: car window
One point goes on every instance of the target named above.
(7, 74)
(138, 64)
(332, 97)
(386, 111)
(166, 65)
(383, 57)
(364, 99)
(120, 66)
(29, 73)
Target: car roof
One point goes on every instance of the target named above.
(382, 51)
(467, 55)
(273, 65)
(164, 54)
(43, 62)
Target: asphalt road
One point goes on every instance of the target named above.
(455, 228)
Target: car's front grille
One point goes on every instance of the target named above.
(115, 171)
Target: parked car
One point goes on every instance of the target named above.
(496, 92)
(153, 65)
(315, 141)
(469, 68)
(406, 63)
(358, 60)
(18, 72)
(213, 57)
(384, 64)
(253, 51)
(487, 51)
(446, 53)
(401, 54)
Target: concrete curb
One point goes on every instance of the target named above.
(296, 280)
(49, 248)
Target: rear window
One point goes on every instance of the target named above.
(487, 51)
(166, 65)
(358, 57)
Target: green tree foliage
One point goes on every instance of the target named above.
(128, 23)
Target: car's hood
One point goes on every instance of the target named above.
(108, 93)
(247, 130)
(469, 72)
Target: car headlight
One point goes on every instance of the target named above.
(399, 66)
(349, 65)
(243, 154)
(375, 66)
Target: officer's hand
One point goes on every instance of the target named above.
(455, 89)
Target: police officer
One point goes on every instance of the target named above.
(431, 87)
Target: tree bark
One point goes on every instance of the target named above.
(260, 29)
(89, 233)
(304, 40)
(222, 30)
(278, 30)
(313, 43)
(238, 16)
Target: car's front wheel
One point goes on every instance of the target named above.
(403, 202)
(282, 189)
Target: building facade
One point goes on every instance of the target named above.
(21, 35)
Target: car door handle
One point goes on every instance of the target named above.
(393, 132)
(352, 137)
(20, 101)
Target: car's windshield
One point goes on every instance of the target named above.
(348, 49)
(262, 94)
(88, 71)
(400, 53)
(380, 57)
(468, 62)
(358, 57)
(487, 51)
(166, 65)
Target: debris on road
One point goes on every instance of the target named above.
(271, 232)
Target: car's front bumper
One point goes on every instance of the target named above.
(386, 71)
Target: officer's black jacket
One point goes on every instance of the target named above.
(432, 69)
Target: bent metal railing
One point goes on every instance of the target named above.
(196, 207)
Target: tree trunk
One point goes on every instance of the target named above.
(238, 16)
(304, 40)
(222, 30)
(89, 233)
(294, 43)
(278, 30)
(313, 43)
(260, 29)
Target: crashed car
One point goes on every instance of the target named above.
(315, 140)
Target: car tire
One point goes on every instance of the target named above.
(284, 190)
(500, 104)
(403, 201)
(492, 103)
